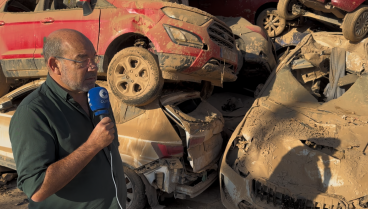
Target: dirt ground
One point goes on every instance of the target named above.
(12, 198)
(209, 199)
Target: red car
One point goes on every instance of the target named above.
(260, 12)
(139, 43)
(351, 16)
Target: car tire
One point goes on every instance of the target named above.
(134, 76)
(4, 87)
(284, 8)
(271, 22)
(355, 24)
(136, 198)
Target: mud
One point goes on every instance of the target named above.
(338, 148)
(295, 143)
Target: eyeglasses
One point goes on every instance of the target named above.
(82, 64)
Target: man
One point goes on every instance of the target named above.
(61, 158)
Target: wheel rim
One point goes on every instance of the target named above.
(130, 191)
(131, 76)
(361, 25)
(271, 23)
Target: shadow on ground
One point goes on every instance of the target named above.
(209, 199)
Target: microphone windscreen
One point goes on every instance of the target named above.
(98, 99)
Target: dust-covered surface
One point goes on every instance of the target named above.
(232, 106)
(303, 143)
(11, 197)
(305, 151)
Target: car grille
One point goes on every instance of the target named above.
(280, 197)
(221, 35)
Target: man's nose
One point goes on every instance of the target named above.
(92, 67)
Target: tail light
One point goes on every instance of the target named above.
(166, 150)
(195, 140)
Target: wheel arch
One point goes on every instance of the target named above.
(119, 43)
(263, 7)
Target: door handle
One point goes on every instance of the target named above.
(47, 20)
(2, 23)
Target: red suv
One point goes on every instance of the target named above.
(139, 43)
(351, 16)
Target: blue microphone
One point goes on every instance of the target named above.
(98, 100)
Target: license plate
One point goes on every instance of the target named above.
(228, 55)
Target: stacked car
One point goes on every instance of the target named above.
(351, 16)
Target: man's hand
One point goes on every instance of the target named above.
(103, 134)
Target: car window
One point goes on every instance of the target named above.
(60, 4)
(20, 5)
(73, 4)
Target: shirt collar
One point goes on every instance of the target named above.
(55, 87)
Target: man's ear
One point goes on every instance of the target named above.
(54, 65)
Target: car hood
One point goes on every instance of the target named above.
(158, 4)
(290, 149)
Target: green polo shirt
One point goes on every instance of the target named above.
(47, 126)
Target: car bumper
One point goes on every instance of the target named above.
(231, 195)
(193, 191)
(174, 67)
(194, 62)
(259, 50)
(252, 192)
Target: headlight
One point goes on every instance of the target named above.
(183, 37)
(186, 16)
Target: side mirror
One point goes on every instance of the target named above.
(86, 5)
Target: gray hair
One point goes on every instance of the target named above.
(52, 47)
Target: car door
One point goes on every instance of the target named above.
(6, 154)
(17, 42)
(59, 16)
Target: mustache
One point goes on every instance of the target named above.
(92, 75)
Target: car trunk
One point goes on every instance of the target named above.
(199, 125)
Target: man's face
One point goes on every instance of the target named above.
(77, 78)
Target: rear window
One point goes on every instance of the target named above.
(189, 105)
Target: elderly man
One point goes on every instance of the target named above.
(62, 160)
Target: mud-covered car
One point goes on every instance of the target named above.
(139, 43)
(253, 42)
(170, 147)
(258, 52)
(351, 16)
(303, 142)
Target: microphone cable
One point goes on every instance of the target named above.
(113, 179)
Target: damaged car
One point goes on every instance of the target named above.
(169, 148)
(140, 44)
(350, 16)
(253, 42)
(303, 142)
